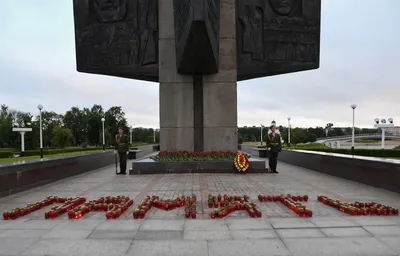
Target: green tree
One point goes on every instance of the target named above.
(61, 136)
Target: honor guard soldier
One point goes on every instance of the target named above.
(122, 148)
(274, 146)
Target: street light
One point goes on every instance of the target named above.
(353, 106)
(22, 131)
(104, 138)
(288, 119)
(383, 125)
(261, 130)
(40, 107)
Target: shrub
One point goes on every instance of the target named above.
(6, 154)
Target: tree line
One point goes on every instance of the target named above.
(300, 135)
(83, 127)
(76, 127)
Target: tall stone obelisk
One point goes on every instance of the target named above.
(176, 90)
(198, 112)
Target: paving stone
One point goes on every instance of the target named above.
(247, 248)
(392, 242)
(120, 225)
(87, 247)
(253, 234)
(173, 225)
(112, 235)
(299, 232)
(30, 224)
(67, 234)
(354, 246)
(79, 224)
(345, 232)
(206, 225)
(15, 246)
(33, 233)
(291, 223)
(159, 235)
(168, 248)
(326, 222)
(383, 230)
(207, 235)
(237, 224)
(375, 220)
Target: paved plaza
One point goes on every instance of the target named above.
(278, 232)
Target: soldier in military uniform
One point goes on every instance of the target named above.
(122, 148)
(274, 146)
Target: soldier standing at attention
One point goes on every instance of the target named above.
(274, 146)
(122, 147)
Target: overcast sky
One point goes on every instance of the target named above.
(360, 41)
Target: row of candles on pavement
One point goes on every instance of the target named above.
(359, 208)
(77, 207)
(167, 205)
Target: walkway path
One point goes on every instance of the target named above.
(278, 232)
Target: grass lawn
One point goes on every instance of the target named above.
(29, 158)
(309, 146)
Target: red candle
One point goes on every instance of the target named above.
(5, 215)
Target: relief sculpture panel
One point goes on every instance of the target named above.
(277, 37)
(117, 38)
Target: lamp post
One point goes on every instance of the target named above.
(22, 131)
(261, 130)
(383, 125)
(104, 137)
(40, 107)
(154, 131)
(288, 119)
(353, 106)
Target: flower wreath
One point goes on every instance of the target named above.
(242, 162)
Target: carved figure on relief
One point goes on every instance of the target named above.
(110, 10)
(125, 33)
(251, 19)
(148, 24)
(289, 36)
(282, 7)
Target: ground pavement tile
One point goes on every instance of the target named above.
(345, 232)
(15, 246)
(248, 247)
(168, 248)
(169, 233)
(87, 247)
(354, 246)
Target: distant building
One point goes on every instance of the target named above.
(393, 130)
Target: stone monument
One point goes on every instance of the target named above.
(197, 50)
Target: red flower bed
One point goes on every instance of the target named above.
(179, 156)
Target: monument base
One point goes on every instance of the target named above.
(149, 166)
